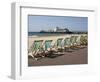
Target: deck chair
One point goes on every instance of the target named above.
(53, 50)
(76, 42)
(54, 46)
(60, 47)
(73, 41)
(83, 41)
(67, 44)
(36, 50)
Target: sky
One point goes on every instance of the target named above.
(37, 23)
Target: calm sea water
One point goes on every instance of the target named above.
(52, 34)
(43, 34)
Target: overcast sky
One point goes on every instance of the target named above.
(37, 23)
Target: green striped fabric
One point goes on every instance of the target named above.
(67, 41)
(59, 42)
(47, 44)
(72, 39)
(37, 45)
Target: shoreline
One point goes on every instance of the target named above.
(54, 35)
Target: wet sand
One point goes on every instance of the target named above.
(79, 56)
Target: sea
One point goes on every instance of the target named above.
(53, 33)
(44, 34)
